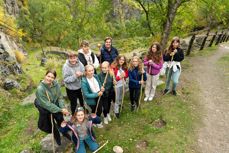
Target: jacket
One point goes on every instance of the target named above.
(116, 69)
(89, 96)
(108, 84)
(71, 81)
(153, 68)
(56, 102)
(135, 77)
(108, 55)
(75, 138)
(81, 56)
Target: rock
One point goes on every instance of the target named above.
(43, 61)
(46, 144)
(12, 7)
(26, 151)
(29, 100)
(10, 84)
(142, 145)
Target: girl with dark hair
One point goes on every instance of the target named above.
(120, 73)
(172, 57)
(50, 103)
(154, 63)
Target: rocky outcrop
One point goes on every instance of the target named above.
(12, 7)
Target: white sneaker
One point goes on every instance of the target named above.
(146, 98)
(150, 98)
(99, 125)
(109, 117)
(105, 120)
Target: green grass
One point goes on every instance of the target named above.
(205, 52)
(223, 65)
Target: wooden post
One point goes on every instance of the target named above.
(218, 39)
(222, 38)
(213, 38)
(190, 44)
(204, 41)
(227, 38)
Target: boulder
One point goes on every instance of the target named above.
(10, 84)
(46, 144)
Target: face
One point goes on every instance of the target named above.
(73, 60)
(154, 48)
(135, 62)
(105, 68)
(80, 116)
(121, 61)
(90, 72)
(108, 43)
(175, 44)
(49, 78)
(85, 48)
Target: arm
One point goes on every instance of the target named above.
(166, 57)
(60, 98)
(68, 76)
(132, 78)
(146, 62)
(44, 101)
(96, 62)
(126, 74)
(179, 56)
(157, 66)
(144, 76)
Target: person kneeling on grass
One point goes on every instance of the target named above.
(82, 131)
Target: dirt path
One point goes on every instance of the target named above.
(213, 135)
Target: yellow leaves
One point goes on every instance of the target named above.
(19, 56)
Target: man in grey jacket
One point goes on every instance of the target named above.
(73, 70)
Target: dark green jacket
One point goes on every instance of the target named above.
(54, 93)
(89, 96)
(109, 82)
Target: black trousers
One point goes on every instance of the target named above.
(134, 95)
(45, 124)
(104, 106)
(73, 95)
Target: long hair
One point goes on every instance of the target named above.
(116, 62)
(157, 56)
(131, 66)
(170, 49)
(74, 119)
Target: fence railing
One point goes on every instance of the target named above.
(211, 37)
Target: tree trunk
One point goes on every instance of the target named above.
(171, 13)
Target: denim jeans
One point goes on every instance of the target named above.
(174, 76)
(91, 144)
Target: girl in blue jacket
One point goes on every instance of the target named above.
(136, 71)
(82, 132)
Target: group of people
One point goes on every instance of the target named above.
(96, 90)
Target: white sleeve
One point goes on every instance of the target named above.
(96, 62)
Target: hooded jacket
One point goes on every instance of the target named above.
(71, 81)
(56, 102)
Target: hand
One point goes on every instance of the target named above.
(150, 61)
(143, 71)
(123, 75)
(141, 82)
(63, 124)
(175, 51)
(78, 73)
(65, 111)
(114, 82)
(100, 93)
(93, 115)
(172, 54)
(102, 89)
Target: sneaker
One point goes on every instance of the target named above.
(166, 91)
(99, 125)
(146, 98)
(150, 98)
(109, 117)
(132, 108)
(105, 120)
(174, 92)
(117, 115)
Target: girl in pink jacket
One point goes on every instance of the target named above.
(153, 61)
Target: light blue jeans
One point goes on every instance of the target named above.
(91, 144)
(174, 76)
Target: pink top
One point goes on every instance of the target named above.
(153, 68)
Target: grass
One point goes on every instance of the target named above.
(223, 65)
(19, 123)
